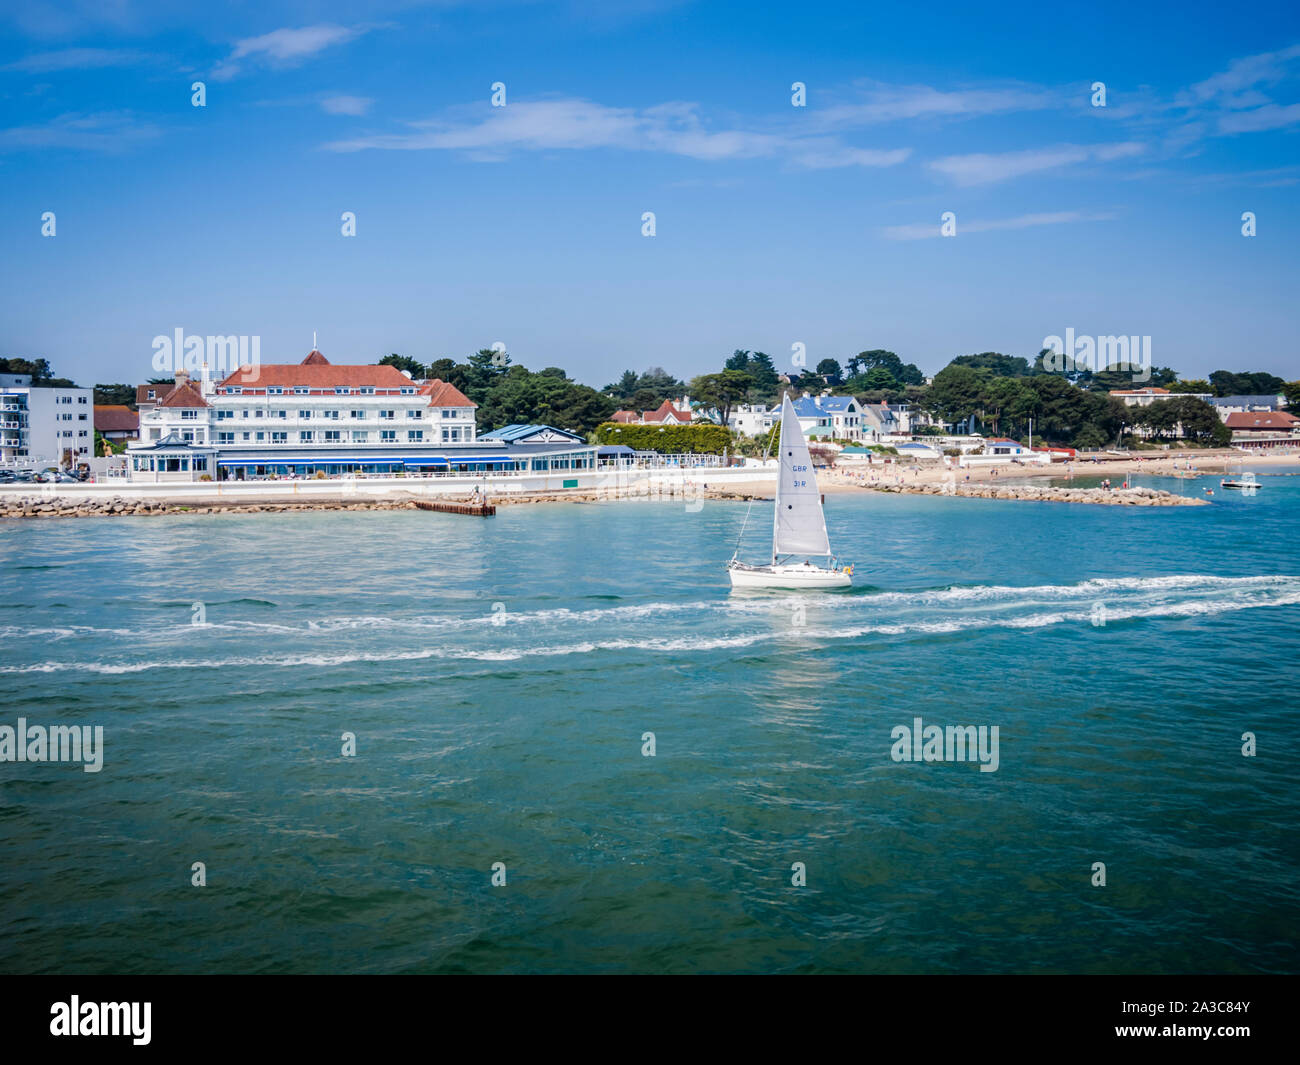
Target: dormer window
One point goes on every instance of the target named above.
(343, 391)
(300, 391)
(236, 390)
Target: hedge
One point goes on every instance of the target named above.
(668, 439)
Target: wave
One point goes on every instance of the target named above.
(1126, 599)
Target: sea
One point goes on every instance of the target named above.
(555, 740)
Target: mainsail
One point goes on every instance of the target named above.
(800, 527)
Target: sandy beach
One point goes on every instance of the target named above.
(881, 475)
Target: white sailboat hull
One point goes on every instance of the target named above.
(802, 575)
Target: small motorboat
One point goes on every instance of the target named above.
(1245, 482)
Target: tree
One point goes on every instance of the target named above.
(829, 370)
(722, 390)
(1292, 392)
(995, 363)
(878, 379)
(115, 395)
(404, 362)
(38, 370)
(956, 393)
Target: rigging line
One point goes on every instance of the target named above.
(766, 450)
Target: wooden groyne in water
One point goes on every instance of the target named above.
(478, 510)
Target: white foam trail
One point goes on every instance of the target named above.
(1245, 594)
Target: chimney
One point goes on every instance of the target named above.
(182, 377)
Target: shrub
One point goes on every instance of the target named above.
(668, 439)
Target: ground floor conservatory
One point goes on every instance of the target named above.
(242, 464)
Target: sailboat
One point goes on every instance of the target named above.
(798, 524)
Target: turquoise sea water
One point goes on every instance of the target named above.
(499, 676)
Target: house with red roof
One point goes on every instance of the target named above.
(666, 414)
(116, 422)
(317, 418)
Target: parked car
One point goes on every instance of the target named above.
(8, 477)
(65, 478)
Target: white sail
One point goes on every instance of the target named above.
(800, 526)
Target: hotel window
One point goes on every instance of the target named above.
(189, 415)
(81, 399)
(300, 391)
(367, 391)
(332, 436)
(360, 436)
(225, 438)
(343, 391)
(81, 417)
(151, 394)
(415, 434)
(200, 463)
(279, 438)
(331, 414)
(82, 433)
(408, 391)
(243, 414)
(236, 390)
(188, 436)
(359, 415)
(259, 414)
(387, 415)
(247, 436)
(260, 437)
(447, 413)
(275, 391)
(416, 414)
(306, 437)
(282, 414)
(304, 415)
(387, 436)
(446, 435)
(222, 415)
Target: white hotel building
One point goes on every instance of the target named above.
(317, 418)
(51, 426)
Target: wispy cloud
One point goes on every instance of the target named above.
(286, 47)
(107, 131)
(925, 230)
(576, 124)
(1235, 98)
(75, 59)
(982, 168)
(346, 105)
(878, 102)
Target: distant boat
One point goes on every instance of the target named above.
(1246, 482)
(798, 524)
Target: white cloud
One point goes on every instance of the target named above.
(576, 124)
(107, 131)
(75, 59)
(925, 230)
(983, 168)
(346, 105)
(286, 46)
(1273, 116)
(892, 103)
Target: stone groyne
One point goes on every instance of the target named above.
(1116, 497)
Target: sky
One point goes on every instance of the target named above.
(775, 225)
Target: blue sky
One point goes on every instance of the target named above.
(775, 225)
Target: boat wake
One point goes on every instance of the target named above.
(638, 629)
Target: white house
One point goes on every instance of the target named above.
(316, 418)
(45, 425)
